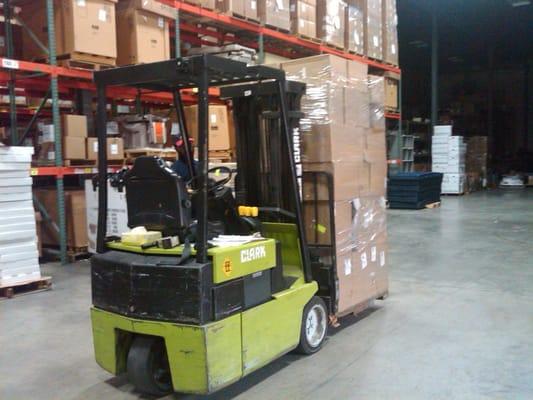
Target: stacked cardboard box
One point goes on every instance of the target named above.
(18, 239)
(211, 4)
(390, 32)
(373, 29)
(448, 157)
(303, 17)
(220, 137)
(354, 37)
(275, 13)
(74, 214)
(74, 136)
(331, 21)
(143, 31)
(476, 162)
(241, 8)
(337, 137)
(85, 30)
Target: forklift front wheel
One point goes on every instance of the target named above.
(148, 368)
(314, 326)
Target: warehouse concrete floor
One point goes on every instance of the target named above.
(458, 323)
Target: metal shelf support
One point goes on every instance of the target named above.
(54, 89)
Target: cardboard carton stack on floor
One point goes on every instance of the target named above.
(339, 136)
(74, 215)
(18, 238)
(85, 30)
(448, 157)
(143, 31)
(476, 163)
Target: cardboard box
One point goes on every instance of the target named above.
(373, 29)
(331, 21)
(347, 179)
(317, 221)
(303, 17)
(275, 13)
(115, 149)
(74, 213)
(390, 32)
(143, 31)
(219, 132)
(73, 148)
(86, 27)
(391, 94)
(354, 35)
(211, 4)
(74, 125)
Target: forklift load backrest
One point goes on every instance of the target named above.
(156, 197)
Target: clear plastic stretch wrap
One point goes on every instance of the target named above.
(275, 13)
(373, 29)
(390, 32)
(331, 21)
(345, 169)
(354, 37)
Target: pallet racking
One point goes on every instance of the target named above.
(193, 24)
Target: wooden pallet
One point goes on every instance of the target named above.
(73, 253)
(309, 38)
(244, 18)
(131, 154)
(221, 156)
(277, 28)
(433, 205)
(79, 163)
(90, 62)
(334, 46)
(26, 287)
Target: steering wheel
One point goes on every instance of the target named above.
(212, 184)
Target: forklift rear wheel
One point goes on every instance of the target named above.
(148, 368)
(314, 326)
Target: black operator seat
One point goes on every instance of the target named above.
(157, 197)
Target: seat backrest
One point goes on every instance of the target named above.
(157, 198)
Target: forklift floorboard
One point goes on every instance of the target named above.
(457, 323)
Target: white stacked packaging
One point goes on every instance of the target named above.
(19, 256)
(448, 157)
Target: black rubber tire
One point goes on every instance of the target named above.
(147, 366)
(304, 347)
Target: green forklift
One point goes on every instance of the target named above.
(197, 316)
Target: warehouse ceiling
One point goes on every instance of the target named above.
(468, 31)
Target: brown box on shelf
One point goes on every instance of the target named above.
(373, 29)
(86, 27)
(241, 8)
(211, 4)
(219, 131)
(74, 148)
(354, 35)
(74, 125)
(303, 17)
(391, 94)
(275, 13)
(74, 214)
(390, 32)
(115, 149)
(330, 20)
(46, 153)
(143, 31)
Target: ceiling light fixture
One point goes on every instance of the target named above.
(519, 3)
